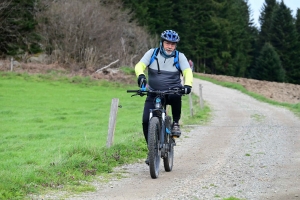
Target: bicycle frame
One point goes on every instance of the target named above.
(160, 109)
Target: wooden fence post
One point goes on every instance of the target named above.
(200, 96)
(112, 121)
(11, 64)
(191, 104)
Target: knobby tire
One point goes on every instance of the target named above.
(153, 147)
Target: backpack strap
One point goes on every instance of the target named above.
(176, 61)
(154, 55)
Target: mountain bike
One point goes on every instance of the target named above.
(160, 140)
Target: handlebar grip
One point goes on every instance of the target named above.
(128, 91)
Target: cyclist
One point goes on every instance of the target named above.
(191, 64)
(162, 75)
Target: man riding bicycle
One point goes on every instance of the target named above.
(164, 74)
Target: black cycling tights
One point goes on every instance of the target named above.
(172, 99)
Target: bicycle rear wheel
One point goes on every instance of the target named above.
(170, 143)
(153, 147)
(169, 158)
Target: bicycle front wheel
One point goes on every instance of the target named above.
(153, 147)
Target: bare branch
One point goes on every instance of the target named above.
(4, 4)
(99, 70)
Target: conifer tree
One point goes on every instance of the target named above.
(243, 38)
(198, 28)
(235, 38)
(296, 71)
(160, 16)
(266, 21)
(297, 23)
(269, 66)
(283, 37)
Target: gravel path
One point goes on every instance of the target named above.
(250, 150)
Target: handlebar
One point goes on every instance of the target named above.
(178, 91)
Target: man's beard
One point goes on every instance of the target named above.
(168, 52)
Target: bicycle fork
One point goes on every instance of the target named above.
(163, 128)
(163, 146)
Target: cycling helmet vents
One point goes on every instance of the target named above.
(170, 36)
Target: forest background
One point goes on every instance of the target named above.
(218, 35)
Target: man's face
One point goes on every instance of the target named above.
(169, 47)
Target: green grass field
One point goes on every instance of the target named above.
(54, 129)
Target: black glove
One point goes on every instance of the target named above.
(186, 89)
(142, 81)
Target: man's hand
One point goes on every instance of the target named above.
(142, 81)
(186, 89)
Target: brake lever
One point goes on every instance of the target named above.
(139, 92)
(179, 93)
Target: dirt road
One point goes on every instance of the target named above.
(250, 150)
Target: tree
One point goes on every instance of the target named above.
(90, 34)
(297, 23)
(269, 66)
(266, 21)
(240, 41)
(193, 23)
(254, 53)
(4, 4)
(18, 23)
(160, 16)
(296, 72)
(283, 37)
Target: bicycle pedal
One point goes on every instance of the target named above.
(175, 136)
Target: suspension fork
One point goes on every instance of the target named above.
(163, 127)
(163, 130)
